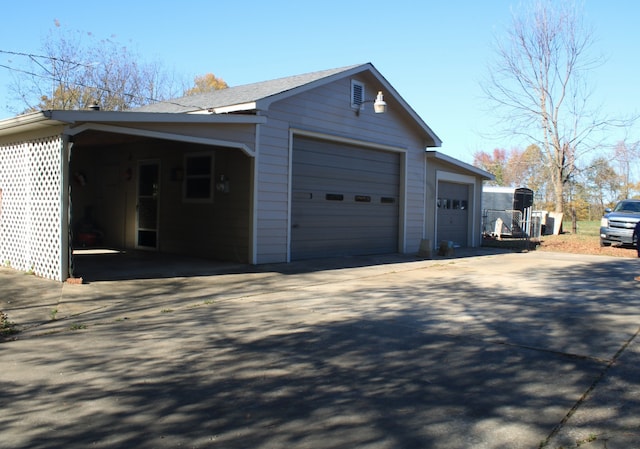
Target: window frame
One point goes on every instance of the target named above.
(198, 176)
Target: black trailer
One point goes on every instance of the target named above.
(507, 211)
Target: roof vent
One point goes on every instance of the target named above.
(95, 106)
(357, 94)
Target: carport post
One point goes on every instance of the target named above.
(66, 264)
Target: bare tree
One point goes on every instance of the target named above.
(75, 70)
(539, 85)
(625, 157)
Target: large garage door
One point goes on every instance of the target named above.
(453, 212)
(344, 200)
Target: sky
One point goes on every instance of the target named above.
(434, 53)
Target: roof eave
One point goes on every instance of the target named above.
(27, 122)
(152, 117)
(486, 176)
(43, 119)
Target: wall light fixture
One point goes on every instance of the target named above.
(379, 105)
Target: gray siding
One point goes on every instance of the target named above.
(447, 172)
(272, 196)
(327, 111)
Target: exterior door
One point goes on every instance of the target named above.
(147, 209)
(453, 213)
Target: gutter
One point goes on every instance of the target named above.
(45, 119)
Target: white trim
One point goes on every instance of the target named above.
(255, 164)
(292, 134)
(236, 107)
(65, 210)
(158, 135)
(402, 206)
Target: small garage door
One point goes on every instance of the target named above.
(453, 212)
(344, 200)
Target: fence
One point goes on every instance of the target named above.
(30, 230)
(511, 224)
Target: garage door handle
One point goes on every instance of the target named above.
(295, 226)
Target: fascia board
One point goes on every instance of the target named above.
(72, 131)
(152, 117)
(251, 106)
(450, 160)
(44, 119)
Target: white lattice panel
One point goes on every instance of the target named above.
(30, 214)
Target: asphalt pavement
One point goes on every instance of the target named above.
(487, 349)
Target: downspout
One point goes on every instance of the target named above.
(66, 252)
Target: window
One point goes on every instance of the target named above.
(334, 197)
(357, 93)
(198, 177)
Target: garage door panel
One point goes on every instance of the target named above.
(343, 246)
(309, 177)
(325, 153)
(345, 200)
(358, 169)
(352, 173)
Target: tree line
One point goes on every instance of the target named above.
(77, 70)
(539, 91)
(594, 185)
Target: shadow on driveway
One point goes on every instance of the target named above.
(490, 352)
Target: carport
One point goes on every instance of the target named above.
(170, 196)
(170, 183)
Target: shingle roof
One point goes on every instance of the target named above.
(240, 94)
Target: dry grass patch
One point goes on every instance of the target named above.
(586, 240)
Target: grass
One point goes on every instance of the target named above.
(585, 241)
(585, 228)
(7, 327)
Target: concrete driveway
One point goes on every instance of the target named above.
(486, 350)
